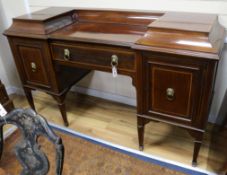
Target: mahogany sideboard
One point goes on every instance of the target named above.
(171, 57)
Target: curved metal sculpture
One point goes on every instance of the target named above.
(28, 152)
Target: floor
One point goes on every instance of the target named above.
(83, 157)
(116, 123)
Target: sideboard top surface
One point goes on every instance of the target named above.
(45, 14)
(175, 32)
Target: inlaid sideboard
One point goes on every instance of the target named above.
(172, 58)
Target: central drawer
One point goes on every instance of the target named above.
(94, 56)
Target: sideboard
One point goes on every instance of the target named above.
(172, 58)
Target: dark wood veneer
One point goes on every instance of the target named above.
(172, 58)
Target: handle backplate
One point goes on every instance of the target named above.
(66, 54)
(34, 67)
(114, 60)
(170, 94)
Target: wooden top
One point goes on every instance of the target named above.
(174, 32)
(44, 15)
(194, 22)
(41, 22)
(187, 31)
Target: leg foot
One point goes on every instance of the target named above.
(194, 164)
(197, 144)
(140, 129)
(141, 148)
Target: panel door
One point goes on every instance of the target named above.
(33, 62)
(172, 90)
(34, 66)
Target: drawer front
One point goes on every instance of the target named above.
(172, 91)
(96, 57)
(34, 67)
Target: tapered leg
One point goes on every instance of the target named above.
(28, 93)
(63, 113)
(197, 144)
(140, 128)
(61, 104)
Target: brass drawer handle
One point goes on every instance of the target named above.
(170, 94)
(66, 54)
(114, 61)
(34, 67)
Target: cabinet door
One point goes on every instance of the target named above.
(33, 62)
(172, 90)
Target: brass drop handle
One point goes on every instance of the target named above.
(66, 54)
(114, 61)
(34, 67)
(170, 94)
